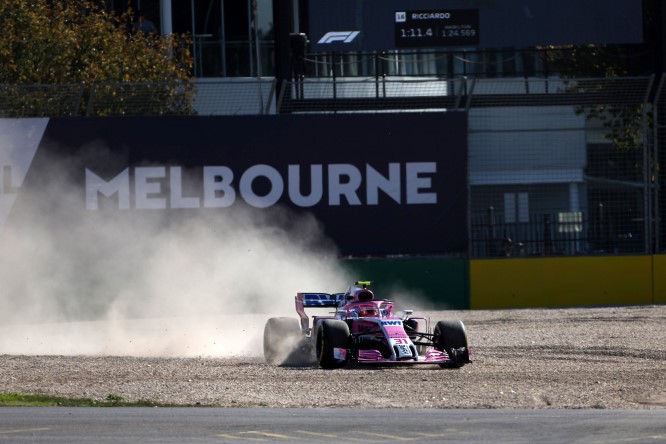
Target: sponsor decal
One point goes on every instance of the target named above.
(340, 354)
(403, 350)
(339, 36)
(396, 323)
(161, 187)
(19, 139)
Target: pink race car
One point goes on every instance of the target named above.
(362, 330)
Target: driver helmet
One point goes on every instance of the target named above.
(367, 312)
(365, 295)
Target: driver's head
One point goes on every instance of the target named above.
(365, 295)
(366, 312)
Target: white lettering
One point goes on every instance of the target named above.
(336, 188)
(218, 179)
(146, 183)
(376, 181)
(95, 186)
(248, 194)
(176, 184)
(431, 15)
(262, 186)
(415, 183)
(316, 186)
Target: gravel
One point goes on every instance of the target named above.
(610, 358)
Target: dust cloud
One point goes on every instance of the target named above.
(151, 282)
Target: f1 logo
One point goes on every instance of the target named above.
(339, 36)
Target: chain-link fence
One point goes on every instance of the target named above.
(233, 97)
(492, 63)
(556, 166)
(369, 94)
(658, 179)
(409, 93)
(561, 171)
(40, 100)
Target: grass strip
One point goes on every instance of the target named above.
(40, 400)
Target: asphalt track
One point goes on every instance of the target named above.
(225, 425)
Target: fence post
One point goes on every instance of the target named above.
(375, 59)
(335, 90)
(91, 95)
(491, 245)
(547, 238)
(602, 229)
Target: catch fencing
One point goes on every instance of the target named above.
(204, 97)
(555, 166)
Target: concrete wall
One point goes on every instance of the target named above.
(562, 282)
(441, 283)
(659, 278)
(518, 283)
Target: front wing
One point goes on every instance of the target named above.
(432, 356)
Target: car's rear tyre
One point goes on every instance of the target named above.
(450, 336)
(282, 336)
(331, 334)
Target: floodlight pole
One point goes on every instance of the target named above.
(166, 19)
(283, 20)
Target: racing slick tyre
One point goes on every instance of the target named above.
(282, 336)
(450, 336)
(331, 334)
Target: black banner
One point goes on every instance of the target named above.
(429, 29)
(377, 183)
(381, 25)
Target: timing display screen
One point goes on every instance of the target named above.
(425, 29)
(386, 25)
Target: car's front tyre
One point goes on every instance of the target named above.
(450, 336)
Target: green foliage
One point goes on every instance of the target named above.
(115, 398)
(78, 42)
(608, 68)
(595, 61)
(40, 400)
(625, 124)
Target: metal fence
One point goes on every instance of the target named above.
(427, 93)
(556, 166)
(205, 97)
(563, 171)
(483, 63)
(40, 100)
(658, 179)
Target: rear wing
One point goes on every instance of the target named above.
(318, 300)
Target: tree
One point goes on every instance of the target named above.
(78, 42)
